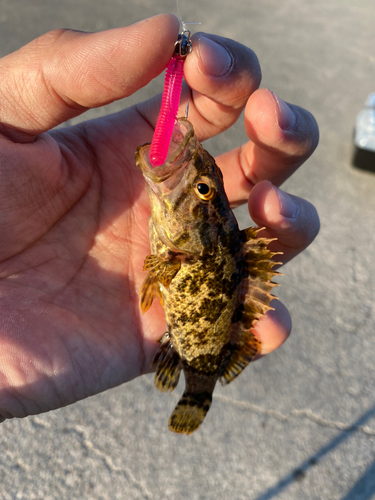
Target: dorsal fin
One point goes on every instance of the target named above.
(256, 299)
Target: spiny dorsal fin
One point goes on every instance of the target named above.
(258, 256)
(257, 286)
(256, 299)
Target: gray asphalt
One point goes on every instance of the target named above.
(300, 423)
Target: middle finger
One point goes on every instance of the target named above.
(281, 136)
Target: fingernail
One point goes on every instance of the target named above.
(216, 60)
(288, 207)
(286, 117)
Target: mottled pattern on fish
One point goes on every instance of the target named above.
(213, 280)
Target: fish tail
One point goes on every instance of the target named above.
(190, 412)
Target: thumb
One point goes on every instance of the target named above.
(63, 73)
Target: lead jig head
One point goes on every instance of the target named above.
(183, 46)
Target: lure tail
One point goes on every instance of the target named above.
(170, 100)
(168, 111)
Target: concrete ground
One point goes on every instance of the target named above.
(300, 423)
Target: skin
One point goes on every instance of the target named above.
(74, 210)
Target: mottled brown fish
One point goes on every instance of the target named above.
(213, 280)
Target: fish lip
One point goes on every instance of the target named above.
(176, 161)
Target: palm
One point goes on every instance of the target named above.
(74, 211)
(74, 283)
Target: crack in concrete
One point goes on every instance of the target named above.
(307, 413)
(108, 462)
(36, 421)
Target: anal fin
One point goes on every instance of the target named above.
(240, 355)
(168, 365)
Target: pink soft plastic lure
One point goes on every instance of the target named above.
(170, 101)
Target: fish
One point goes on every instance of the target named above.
(212, 279)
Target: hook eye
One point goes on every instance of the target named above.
(183, 46)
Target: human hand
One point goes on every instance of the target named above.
(74, 211)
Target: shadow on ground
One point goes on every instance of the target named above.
(365, 160)
(363, 489)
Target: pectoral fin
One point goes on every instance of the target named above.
(160, 271)
(163, 270)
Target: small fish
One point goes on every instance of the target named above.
(213, 280)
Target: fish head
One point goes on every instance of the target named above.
(188, 203)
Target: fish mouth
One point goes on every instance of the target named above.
(178, 154)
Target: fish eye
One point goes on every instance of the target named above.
(205, 187)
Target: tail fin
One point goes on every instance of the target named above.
(190, 412)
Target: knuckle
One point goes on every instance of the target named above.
(46, 40)
(52, 37)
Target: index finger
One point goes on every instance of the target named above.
(63, 73)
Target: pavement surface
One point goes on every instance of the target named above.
(300, 423)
